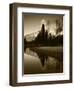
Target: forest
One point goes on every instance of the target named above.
(44, 39)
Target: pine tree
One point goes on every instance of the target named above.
(43, 31)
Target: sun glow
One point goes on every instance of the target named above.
(49, 26)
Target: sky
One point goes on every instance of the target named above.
(33, 22)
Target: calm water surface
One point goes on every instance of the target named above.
(36, 62)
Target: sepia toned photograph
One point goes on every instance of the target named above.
(43, 43)
(40, 44)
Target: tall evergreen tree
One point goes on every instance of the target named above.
(43, 31)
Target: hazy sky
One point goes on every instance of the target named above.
(33, 22)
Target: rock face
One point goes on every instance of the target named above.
(32, 36)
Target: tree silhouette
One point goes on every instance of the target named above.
(59, 25)
(45, 39)
(25, 43)
(43, 32)
(46, 35)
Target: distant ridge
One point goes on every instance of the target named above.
(32, 36)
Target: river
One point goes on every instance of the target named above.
(36, 62)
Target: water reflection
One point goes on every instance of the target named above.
(43, 58)
(48, 64)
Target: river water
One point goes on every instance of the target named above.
(36, 62)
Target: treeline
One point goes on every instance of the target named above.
(45, 39)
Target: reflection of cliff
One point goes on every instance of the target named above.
(49, 60)
(41, 56)
(56, 52)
